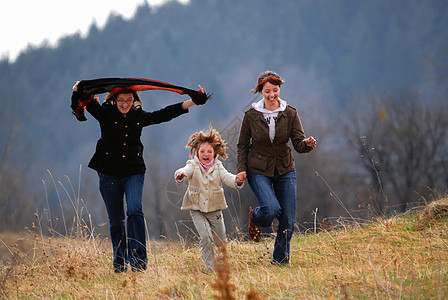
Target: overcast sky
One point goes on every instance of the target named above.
(26, 22)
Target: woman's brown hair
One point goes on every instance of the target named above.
(267, 76)
(111, 98)
(212, 137)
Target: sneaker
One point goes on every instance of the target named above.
(254, 230)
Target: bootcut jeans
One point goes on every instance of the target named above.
(277, 199)
(127, 234)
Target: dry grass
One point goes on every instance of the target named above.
(400, 257)
(432, 212)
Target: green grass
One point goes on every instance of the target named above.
(403, 257)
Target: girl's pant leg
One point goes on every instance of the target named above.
(216, 220)
(133, 188)
(112, 193)
(206, 235)
(286, 191)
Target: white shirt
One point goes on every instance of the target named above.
(270, 116)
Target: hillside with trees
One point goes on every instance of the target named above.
(373, 69)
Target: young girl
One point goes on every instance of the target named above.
(205, 195)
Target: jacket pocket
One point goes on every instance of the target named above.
(218, 200)
(258, 162)
(193, 195)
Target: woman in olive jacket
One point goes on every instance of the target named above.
(118, 159)
(266, 160)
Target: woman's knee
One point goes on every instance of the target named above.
(134, 207)
(271, 211)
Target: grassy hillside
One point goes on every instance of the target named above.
(400, 257)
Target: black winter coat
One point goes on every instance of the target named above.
(119, 151)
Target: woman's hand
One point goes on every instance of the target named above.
(75, 87)
(197, 98)
(200, 97)
(310, 142)
(241, 177)
(187, 104)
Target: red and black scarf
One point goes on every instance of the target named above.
(88, 88)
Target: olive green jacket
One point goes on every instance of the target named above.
(257, 154)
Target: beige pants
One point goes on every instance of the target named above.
(212, 231)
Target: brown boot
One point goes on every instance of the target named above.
(254, 230)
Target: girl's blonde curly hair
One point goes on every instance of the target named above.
(212, 137)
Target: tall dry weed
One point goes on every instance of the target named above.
(222, 282)
(223, 276)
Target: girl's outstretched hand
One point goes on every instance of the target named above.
(179, 176)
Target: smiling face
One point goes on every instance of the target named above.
(270, 92)
(206, 153)
(125, 102)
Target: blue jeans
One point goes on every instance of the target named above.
(277, 199)
(132, 249)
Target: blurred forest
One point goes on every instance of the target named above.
(369, 79)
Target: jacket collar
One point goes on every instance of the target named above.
(212, 167)
(259, 106)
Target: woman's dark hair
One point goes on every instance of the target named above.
(267, 76)
(112, 98)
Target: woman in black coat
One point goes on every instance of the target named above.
(118, 159)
